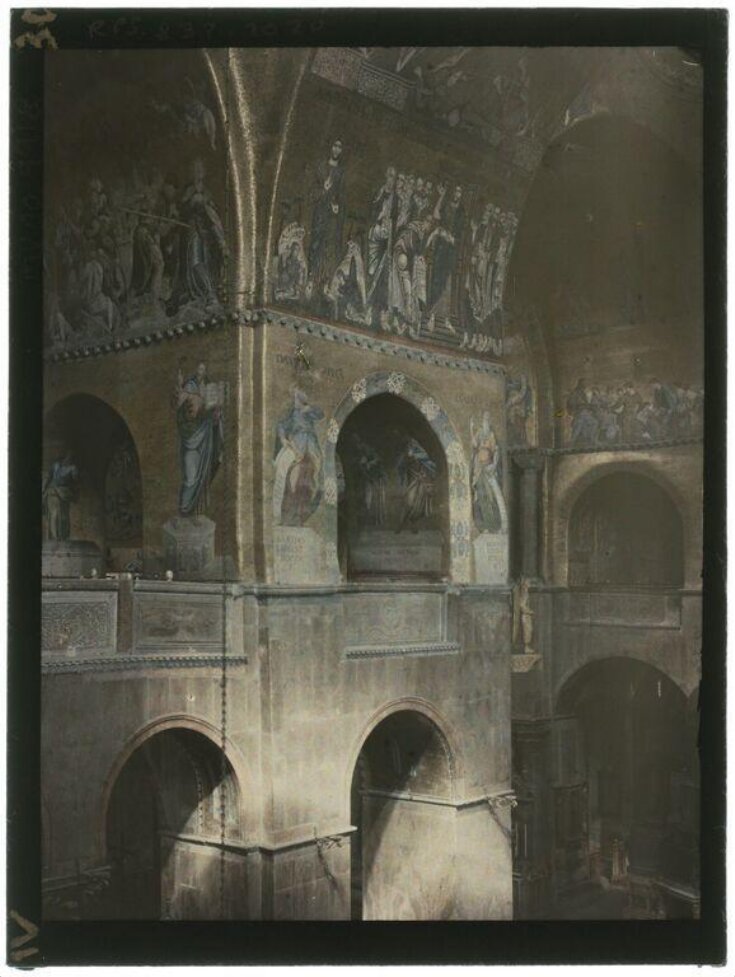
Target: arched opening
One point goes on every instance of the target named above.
(608, 180)
(626, 787)
(172, 804)
(608, 259)
(393, 509)
(92, 488)
(625, 531)
(403, 844)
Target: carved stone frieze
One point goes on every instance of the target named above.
(84, 623)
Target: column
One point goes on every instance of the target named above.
(531, 463)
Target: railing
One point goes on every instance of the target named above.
(121, 623)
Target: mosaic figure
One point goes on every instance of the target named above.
(297, 485)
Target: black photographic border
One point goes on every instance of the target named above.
(697, 941)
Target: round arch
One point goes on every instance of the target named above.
(446, 731)
(608, 176)
(109, 506)
(570, 495)
(399, 385)
(628, 768)
(111, 403)
(174, 722)
(577, 673)
(680, 681)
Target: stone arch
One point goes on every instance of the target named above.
(565, 502)
(625, 749)
(460, 514)
(557, 277)
(402, 800)
(105, 449)
(164, 724)
(562, 685)
(446, 731)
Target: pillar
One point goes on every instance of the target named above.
(531, 464)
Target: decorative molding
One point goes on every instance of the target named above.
(362, 652)
(406, 795)
(380, 344)
(202, 841)
(607, 448)
(120, 663)
(500, 798)
(157, 334)
(383, 86)
(253, 317)
(621, 625)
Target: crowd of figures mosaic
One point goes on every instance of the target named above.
(419, 257)
(633, 413)
(138, 241)
(142, 254)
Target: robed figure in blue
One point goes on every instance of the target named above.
(58, 494)
(201, 439)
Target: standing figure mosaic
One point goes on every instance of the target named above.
(201, 437)
(327, 220)
(298, 477)
(488, 505)
(417, 472)
(59, 491)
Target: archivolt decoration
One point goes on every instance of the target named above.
(398, 384)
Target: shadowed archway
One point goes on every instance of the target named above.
(401, 789)
(627, 783)
(172, 804)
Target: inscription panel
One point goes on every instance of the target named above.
(491, 558)
(394, 619)
(624, 610)
(84, 623)
(183, 621)
(300, 556)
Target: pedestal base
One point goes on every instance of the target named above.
(384, 551)
(299, 556)
(524, 662)
(71, 558)
(188, 543)
(491, 558)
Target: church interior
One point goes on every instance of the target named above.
(372, 483)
